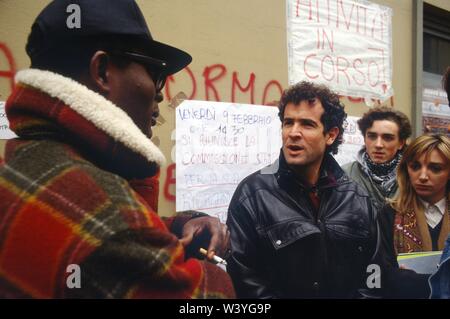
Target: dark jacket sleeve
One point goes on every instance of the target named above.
(386, 225)
(244, 264)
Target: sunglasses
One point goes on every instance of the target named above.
(155, 67)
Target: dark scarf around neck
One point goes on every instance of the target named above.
(384, 174)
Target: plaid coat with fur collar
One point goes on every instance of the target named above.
(65, 199)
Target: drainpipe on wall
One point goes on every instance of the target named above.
(417, 67)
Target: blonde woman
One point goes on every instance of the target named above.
(417, 219)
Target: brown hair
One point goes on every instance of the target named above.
(406, 199)
(386, 113)
(333, 115)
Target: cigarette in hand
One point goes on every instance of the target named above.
(217, 259)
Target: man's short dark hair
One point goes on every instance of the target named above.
(333, 115)
(389, 114)
(446, 83)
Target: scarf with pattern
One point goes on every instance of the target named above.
(411, 233)
(384, 174)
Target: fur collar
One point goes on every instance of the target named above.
(96, 109)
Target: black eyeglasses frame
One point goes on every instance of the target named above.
(155, 67)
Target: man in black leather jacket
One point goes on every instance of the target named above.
(301, 228)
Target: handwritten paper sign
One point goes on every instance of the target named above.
(345, 44)
(353, 142)
(5, 132)
(217, 146)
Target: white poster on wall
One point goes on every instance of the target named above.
(353, 142)
(345, 44)
(217, 146)
(5, 132)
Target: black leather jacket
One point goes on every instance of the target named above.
(281, 248)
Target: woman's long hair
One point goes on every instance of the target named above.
(406, 199)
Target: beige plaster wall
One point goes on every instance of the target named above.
(247, 38)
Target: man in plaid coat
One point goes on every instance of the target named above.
(79, 188)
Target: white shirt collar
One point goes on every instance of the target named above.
(432, 215)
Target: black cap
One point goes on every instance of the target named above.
(58, 23)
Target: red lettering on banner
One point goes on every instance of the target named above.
(250, 86)
(332, 67)
(209, 81)
(304, 67)
(364, 19)
(310, 9)
(325, 37)
(318, 11)
(373, 84)
(359, 61)
(330, 42)
(9, 74)
(374, 20)
(344, 15)
(381, 52)
(170, 181)
(347, 21)
(318, 39)
(343, 69)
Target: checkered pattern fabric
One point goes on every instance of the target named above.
(62, 202)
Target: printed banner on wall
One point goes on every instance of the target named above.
(345, 44)
(217, 146)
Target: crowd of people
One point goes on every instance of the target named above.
(79, 186)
